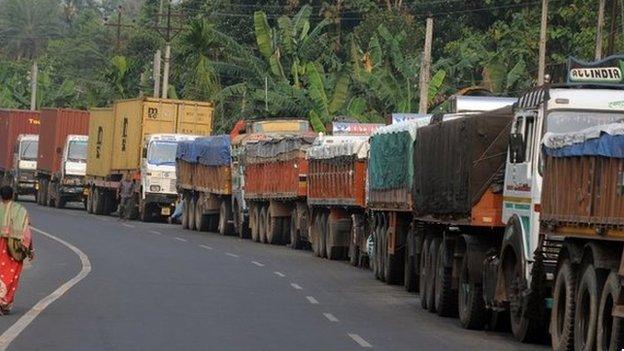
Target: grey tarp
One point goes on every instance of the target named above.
(456, 161)
(278, 148)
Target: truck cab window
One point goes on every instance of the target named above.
(521, 140)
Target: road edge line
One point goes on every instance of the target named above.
(24, 321)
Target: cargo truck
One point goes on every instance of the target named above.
(336, 195)
(62, 156)
(250, 131)
(276, 171)
(581, 236)
(139, 138)
(204, 180)
(19, 133)
(470, 244)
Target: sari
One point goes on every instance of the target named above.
(15, 224)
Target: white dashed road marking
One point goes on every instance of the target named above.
(312, 300)
(206, 247)
(24, 321)
(296, 286)
(359, 340)
(127, 225)
(330, 317)
(179, 239)
(155, 232)
(231, 254)
(257, 263)
(279, 274)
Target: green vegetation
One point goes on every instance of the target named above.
(317, 59)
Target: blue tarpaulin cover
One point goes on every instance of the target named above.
(184, 151)
(213, 150)
(607, 141)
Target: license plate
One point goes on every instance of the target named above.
(165, 211)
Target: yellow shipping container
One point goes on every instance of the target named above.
(101, 126)
(136, 118)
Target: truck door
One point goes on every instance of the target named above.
(517, 195)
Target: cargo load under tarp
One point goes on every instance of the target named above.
(328, 147)
(213, 151)
(278, 148)
(582, 184)
(457, 161)
(390, 163)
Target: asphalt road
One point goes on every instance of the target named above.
(157, 287)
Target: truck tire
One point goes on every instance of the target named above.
(254, 222)
(89, 206)
(431, 274)
(472, 313)
(562, 313)
(314, 234)
(274, 230)
(610, 335)
(424, 267)
(446, 296)
(322, 234)
(49, 199)
(295, 237)
(191, 219)
(262, 223)
(98, 204)
(586, 305)
(225, 225)
(186, 213)
(409, 276)
(202, 221)
(335, 227)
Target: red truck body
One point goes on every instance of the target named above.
(277, 180)
(12, 124)
(56, 125)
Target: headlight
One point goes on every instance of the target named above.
(155, 188)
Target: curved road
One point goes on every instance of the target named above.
(158, 287)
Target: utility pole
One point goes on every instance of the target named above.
(425, 68)
(541, 72)
(613, 29)
(157, 74)
(168, 33)
(33, 86)
(118, 25)
(601, 10)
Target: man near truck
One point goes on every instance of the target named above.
(125, 193)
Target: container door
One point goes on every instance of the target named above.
(194, 119)
(127, 135)
(101, 128)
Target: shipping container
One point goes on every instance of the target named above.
(56, 125)
(12, 124)
(101, 128)
(134, 119)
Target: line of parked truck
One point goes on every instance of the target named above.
(502, 212)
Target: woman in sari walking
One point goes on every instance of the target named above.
(15, 246)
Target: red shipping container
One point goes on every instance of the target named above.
(12, 124)
(56, 125)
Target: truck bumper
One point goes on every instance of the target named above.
(165, 202)
(26, 187)
(75, 192)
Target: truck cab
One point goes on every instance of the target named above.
(25, 164)
(547, 109)
(158, 192)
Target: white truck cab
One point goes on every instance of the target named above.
(75, 156)
(158, 173)
(25, 164)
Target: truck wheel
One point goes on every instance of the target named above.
(431, 274)
(471, 307)
(586, 314)
(89, 205)
(424, 267)
(97, 205)
(192, 204)
(324, 234)
(314, 234)
(446, 297)
(202, 221)
(254, 222)
(225, 217)
(60, 202)
(336, 228)
(50, 199)
(562, 313)
(295, 239)
(185, 213)
(610, 335)
(262, 224)
(409, 272)
(274, 230)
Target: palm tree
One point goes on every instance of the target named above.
(25, 28)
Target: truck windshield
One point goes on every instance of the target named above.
(572, 121)
(28, 150)
(77, 151)
(162, 153)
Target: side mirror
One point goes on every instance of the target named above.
(516, 148)
(58, 150)
(144, 153)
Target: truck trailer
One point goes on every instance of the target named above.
(204, 180)
(62, 156)
(19, 135)
(139, 138)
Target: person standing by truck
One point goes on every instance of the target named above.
(15, 246)
(125, 193)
